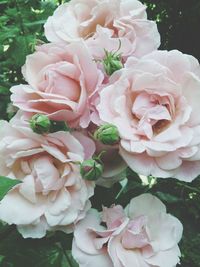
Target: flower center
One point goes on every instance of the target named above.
(135, 236)
(153, 113)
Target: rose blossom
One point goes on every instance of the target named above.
(62, 81)
(52, 194)
(142, 235)
(155, 103)
(105, 22)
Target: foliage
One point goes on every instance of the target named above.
(21, 28)
(52, 251)
(6, 184)
(178, 23)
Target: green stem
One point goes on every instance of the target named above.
(189, 187)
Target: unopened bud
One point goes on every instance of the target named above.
(107, 134)
(91, 170)
(40, 124)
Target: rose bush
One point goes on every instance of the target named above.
(142, 235)
(155, 100)
(52, 194)
(104, 23)
(62, 81)
(101, 107)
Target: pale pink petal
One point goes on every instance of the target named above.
(35, 230)
(86, 260)
(145, 204)
(168, 258)
(14, 208)
(113, 216)
(83, 236)
(164, 231)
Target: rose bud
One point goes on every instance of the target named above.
(112, 62)
(91, 169)
(40, 124)
(107, 134)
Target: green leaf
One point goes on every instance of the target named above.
(4, 90)
(1, 258)
(6, 184)
(49, 256)
(169, 198)
(3, 2)
(71, 261)
(18, 50)
(52, 251)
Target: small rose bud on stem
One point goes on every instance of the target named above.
(40, 123)
(107, 134)
(91, 169)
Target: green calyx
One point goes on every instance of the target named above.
(91, 169)
(41, 124)
(112, 61)
(107, 134)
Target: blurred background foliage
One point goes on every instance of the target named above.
(21, 28)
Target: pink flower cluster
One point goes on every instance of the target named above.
(150, 96)
(142, 235)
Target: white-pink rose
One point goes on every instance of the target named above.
(52, 195)
(62, 81)
(142, 235)
(105, 22)
(154, 102)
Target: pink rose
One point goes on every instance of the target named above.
(52, 195)
(124, 20)
(155, 102)
(142, 235)
(63, 79)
